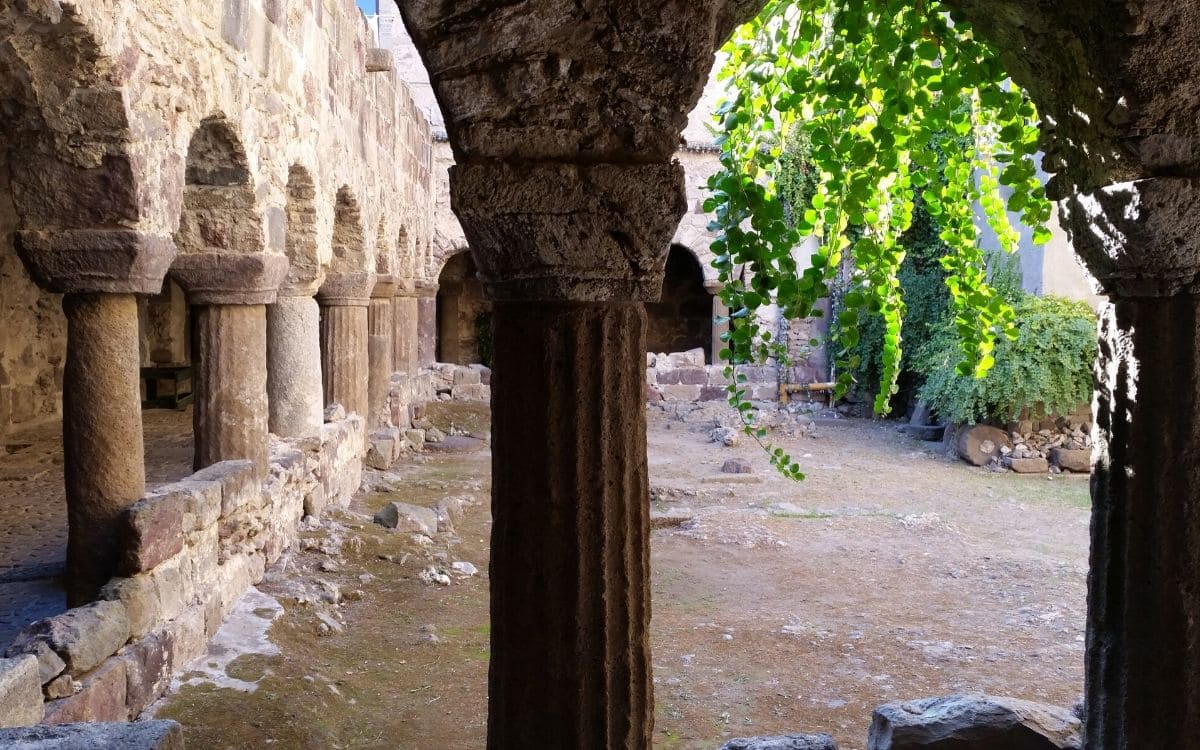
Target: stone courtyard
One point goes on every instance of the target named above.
(275, 275)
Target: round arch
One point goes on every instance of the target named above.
(682, 319)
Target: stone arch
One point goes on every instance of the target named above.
(301, 245)
(219, 205)
(682, 319)
(463, 312)
(349, 239)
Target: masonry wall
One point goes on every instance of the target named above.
(33, 331)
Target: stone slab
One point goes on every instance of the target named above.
(140, 735)
(1030, 465)
(973, 722)
(20, 691)
(101, 697)
(783, 742)
(151, 532)
(84, 637)
(1077, 461)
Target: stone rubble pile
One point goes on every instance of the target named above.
(462, 383)
(1029, 446)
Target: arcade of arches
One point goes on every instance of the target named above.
(238, 186)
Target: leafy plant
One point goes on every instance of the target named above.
(1048, 365)
(880, 89)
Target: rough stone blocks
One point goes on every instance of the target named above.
(20, 691)
(83, 637)
(151, 531)
(101, 698)
(147, 671)
(238, 480)
(1030, 465)
(1078, 461)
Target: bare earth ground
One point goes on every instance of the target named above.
(891, 573)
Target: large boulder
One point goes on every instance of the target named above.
(1077, 461)
(966, 722)
(980, 444)
(783, 742)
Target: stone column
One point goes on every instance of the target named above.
(294, 383)
(381, 353)
(427, 323)
(103, 458)
(229, 346)
(404, 318)
(720, 313)
(345, 361)
(99, 272)
(570, 594)
(1143, 642)
(570, 602)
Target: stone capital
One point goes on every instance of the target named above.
(569, 232)
(1140, 238)
(118, 261)
(230, 279)
(347, 289)
(405, 288)
(385, 287)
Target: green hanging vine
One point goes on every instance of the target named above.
(878, 89)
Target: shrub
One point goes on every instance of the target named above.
(1049, 365)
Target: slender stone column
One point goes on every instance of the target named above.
(294, 365)
(230, 293)
(570, 594)
(104, 463)
(381, 353)
(720, 313)
(345, 362)
(427, 323)
(230, 414)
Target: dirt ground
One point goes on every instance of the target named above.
(891, 573)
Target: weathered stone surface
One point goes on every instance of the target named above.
(104, 466)
(407, 517)
(151, 532)
(973, 723)
(140, 597)
(981, 443)
(50, 664)
(1078, 461)
(1030, 465)
(230, 413)
(101, 697)
(737, 466)
(345, 361)
(82, 261)
(221, 279)
(140, 735)
(783, 742)
(238, 480)
(20, 691)
(293, 383)
(84, 636)
(147, 671)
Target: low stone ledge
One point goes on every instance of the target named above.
(783, 742)
(141, 735)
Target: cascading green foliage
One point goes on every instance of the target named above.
(1048, 365)
(879, 89)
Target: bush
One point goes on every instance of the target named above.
(1049, 365)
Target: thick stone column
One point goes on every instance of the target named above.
(98, 271)
(570, 595)
(381, 353)
(570, 601)
(427, 323)
(404, 319)
(345, 362)
(1143, 642)
(230, 414)
(103, 458)
(229, 347)
(294, 365)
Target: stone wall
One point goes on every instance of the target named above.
(683, 377)
(189, 551)
(33, 331)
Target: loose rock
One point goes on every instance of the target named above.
(961, 722)
(783, 742)
(407, 517)
(737, 466)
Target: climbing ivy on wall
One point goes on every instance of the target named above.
(879, 89)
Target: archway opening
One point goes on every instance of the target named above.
(683, 318)
(464, 314)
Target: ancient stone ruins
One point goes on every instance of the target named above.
(242, 206)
